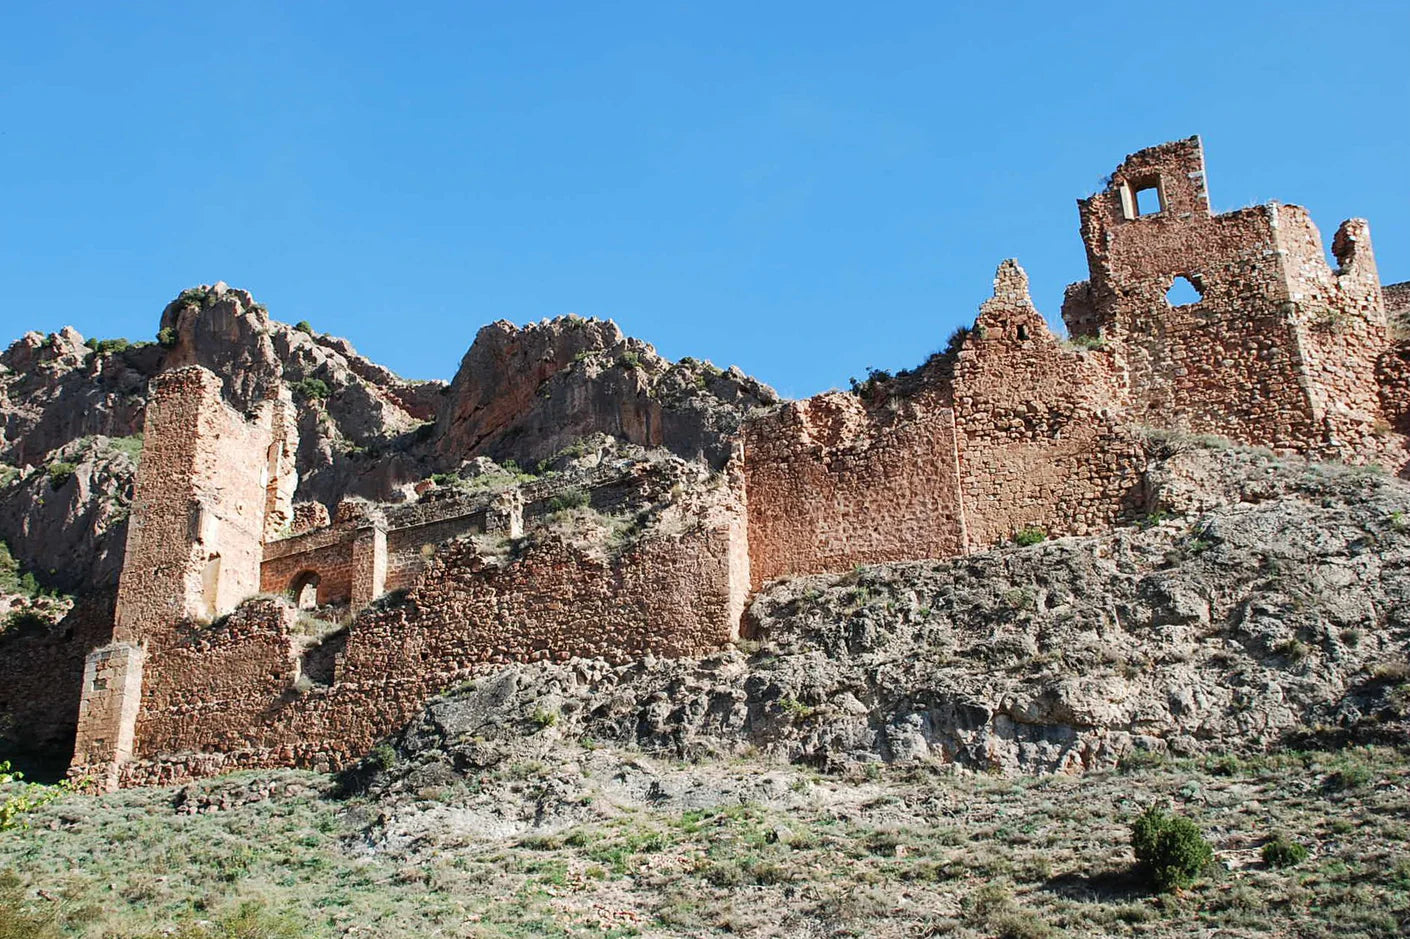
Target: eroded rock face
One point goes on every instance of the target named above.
(363, 430)
(54, 389)
(1231, 629)
(525, 394)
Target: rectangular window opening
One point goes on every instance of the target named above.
(1148, 201)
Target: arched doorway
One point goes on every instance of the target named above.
(304, 590)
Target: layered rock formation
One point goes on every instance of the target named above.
(522, 393)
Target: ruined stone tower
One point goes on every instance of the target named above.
(1275, 348)
(208, 482)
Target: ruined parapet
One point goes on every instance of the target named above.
(1039, 446)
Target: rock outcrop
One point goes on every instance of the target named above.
(522, 394)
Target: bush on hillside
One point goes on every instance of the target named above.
(1171, 850)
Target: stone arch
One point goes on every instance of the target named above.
(303, 589)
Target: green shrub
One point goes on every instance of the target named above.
(957, 338)
(166, 337)
(383, 756)
(1029, 536)
(107, 346)
(1284, 852)
(570, 499)
(60, 472)
(22, 798)
(129, 446)
(312, 389)
(629, 360)
(9, 571)
(1171, 850)
(194, 296)
(1086, 342)
(303, 326)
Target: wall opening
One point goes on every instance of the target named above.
(1183, 292)
(1148, 201)
(304, 590)
(319, 662)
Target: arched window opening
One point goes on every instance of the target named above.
(1183, 292)
(304, 590)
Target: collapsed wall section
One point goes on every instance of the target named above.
(251, 691)
(1039, 440)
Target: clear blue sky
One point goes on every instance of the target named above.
(802, 189)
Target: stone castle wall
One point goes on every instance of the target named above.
(1040, 443)
(832, 483)
(230, 696)
(1011, 429)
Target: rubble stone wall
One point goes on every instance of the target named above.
(229, 696)
(197, 528)
(833, 483)
(1228, 363)
(1039, 442)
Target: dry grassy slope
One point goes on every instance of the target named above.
(873, 764)
(660, 848)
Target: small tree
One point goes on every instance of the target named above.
(1170, 848)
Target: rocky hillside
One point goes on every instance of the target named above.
(942, 748)
(1276, 614)
(71, 412)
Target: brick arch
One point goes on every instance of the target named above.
(304, 589)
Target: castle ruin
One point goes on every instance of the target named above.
(1012, 428)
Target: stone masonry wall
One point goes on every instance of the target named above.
(1039, 442)
(193, 547)
(195, 537)
(1342, 330)
(833, 483)
(1228, 363)
(225, 696)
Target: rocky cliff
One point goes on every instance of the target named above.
(71, 411)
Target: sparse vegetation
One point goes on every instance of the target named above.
(885, 854)
(60, 472)
(574, 498)
(311, 389)
(1283, 852)
(304, 327)
(876, 378)
(107, 346)
(166, 337)
(1030, 535)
